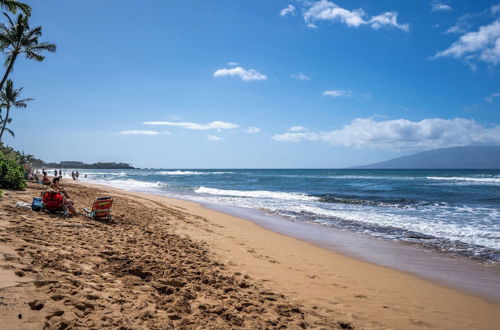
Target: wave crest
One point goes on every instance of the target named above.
(256, 194)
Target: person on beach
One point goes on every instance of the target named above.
(55, 173)
(60, 173)
(68, 203)
(45, 179)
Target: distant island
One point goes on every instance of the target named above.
(469, 157)
(102, 166)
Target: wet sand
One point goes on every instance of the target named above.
(165, 263)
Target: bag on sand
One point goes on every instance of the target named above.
(36, 204)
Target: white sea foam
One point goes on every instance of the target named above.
(464, 233)
(471, 180)
(190, 173)
(131, 184)
(256, 194)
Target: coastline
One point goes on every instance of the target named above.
(323, 282)
(256, 242)
(458, 272)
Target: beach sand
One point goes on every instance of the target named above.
(165, 263)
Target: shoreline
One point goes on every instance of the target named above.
(264, 230)
(456, 272)
(325, 284)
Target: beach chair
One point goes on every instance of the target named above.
(53, 201)
(101, 209)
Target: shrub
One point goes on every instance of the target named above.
(11, 173)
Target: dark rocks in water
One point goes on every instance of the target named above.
(418, 236)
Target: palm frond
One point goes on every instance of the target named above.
(11, 132)
(14, 5)
(34, 56)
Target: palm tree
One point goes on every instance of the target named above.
(18, 38)
(8, 130)
(9, 98)
(14, 5)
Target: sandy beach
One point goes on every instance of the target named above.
(165, 263)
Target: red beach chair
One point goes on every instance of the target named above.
(53, 201)
(101, 209)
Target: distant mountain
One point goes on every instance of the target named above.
(75, 164)
(471, 157)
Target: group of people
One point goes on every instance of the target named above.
(45, 177)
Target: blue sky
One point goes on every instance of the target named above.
(259, 83)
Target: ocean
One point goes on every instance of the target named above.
(451, 211)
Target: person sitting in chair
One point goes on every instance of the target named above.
(68, 203)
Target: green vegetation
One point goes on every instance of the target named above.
(11, 173)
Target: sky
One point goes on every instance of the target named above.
(259, 83)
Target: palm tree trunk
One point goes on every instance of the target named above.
(7, 72)
(4, 123)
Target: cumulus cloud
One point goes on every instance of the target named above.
(240, 72)
(289, 10)
(483, 45)
(216, 125)
(214, 137)
(301, 76)
(337, 93)
(402, 134)
(441, 7)
(490, 98)
(141, 132)
(253, 130)
(325, 10)
(297, 129)
(232, 63)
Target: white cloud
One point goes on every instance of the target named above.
(244, 74)
(402, 134)
(492, 97)
(297, 128)
(441, 7)
(217, 125)
(301, 76)
(141, 132)
(455, 29)
(253, 130)
(389, 18)
(337, 93)
(290, 10)
(325, 10)
(483, 45)
(214, 137)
